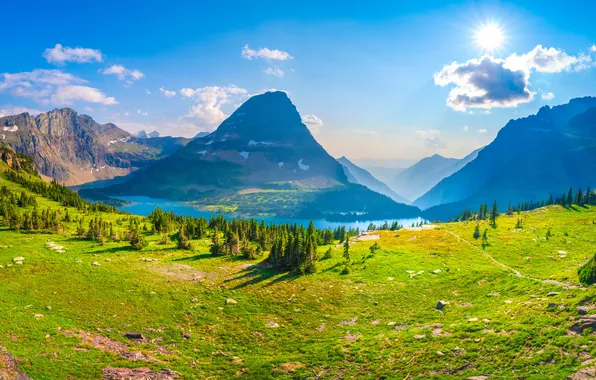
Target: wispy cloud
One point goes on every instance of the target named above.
(483, 131)
(547, 95)
(59, 55)
(208, 101)
(313, 123)
(8, 110)
(366, 132)
(144, 113)
(52, 86)
(431, 138)
(167, 93)
(275, 71)
(123, 73)
(265, 53)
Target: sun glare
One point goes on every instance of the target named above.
(489, 36)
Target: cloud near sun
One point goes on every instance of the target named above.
(489, 82)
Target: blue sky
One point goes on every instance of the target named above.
(385, 80)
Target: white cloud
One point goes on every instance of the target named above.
(147, 92)
(265, 53)
(209, 101)
(484, 83)
(549, 60)
(547, 95)
(466, 128)
(312, 122)
(52, 86)
(485, 112)
(482, 131)
(69, 94)
(59, 55)
(123, 73)
(9, 110)
(593, 48)
(431, 138)
(144, 113)
(489, 82)
(275, 71)
(167, 93)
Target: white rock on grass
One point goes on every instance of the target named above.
(20, 258)
(95, 264)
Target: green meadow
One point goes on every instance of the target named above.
(510, 304)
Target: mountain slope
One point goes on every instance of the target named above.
(75, 149)
(530, 159)
(262, 151)
(426, 173)
(360, 176)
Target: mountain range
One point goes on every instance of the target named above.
(358, 175)
(530, 159)
(261, 159)
(419, 178)
(74, 149)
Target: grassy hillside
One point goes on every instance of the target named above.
(510, 305)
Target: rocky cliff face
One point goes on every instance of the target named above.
(73, 148)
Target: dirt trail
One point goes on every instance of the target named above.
(513, 270)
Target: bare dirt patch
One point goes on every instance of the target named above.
(108, 345)
(110, 373)
(9, 368)
(178, 272)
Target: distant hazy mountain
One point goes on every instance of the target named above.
(360, 176)
(201, 134)
(416, 180)
(261, 159)
(75, 149)
(530, 159)
(144, 135)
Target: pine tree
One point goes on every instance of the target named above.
(183, 242)
(347, 249)
(215, 248)
(477, 231)
(493, 214)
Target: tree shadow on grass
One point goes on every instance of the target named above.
(200, 256)
(112, 250)
(256, 274)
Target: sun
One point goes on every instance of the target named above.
(490, 36)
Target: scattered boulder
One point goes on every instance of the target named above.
(441, 304)
(290, 367)
(96, 264)
(38, 316)
(134, 335)
(231, 300)
(584, 374)
(18, 259)
(9, 367)
(584, 322)
(349, 322)
(552, 294)
(272, 324)
(421, 336)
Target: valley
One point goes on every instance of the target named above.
(428, 302)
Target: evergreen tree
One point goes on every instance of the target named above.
(477, 231)
(347, 249)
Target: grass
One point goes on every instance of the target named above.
(378, 321)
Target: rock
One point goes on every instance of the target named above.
(18, 259)
(421, 336)
(231, 300)
(95, 264)
(38, 316)
(477, 378)
(108, 259)
(186, 336)
(48, 307)
(437, 271)
(441, 305)
(272, 324)
(9, 367)
(552, 294)
(18, 263)
(584, 322)
(582, 310)
(134, 335)
(349, 322)
(583, 374)
(472, 319)
(110, 373)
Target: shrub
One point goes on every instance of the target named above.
(587, 272)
